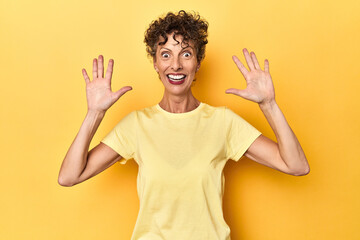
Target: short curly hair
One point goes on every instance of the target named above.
(190, 26)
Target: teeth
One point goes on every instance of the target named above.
(176, 77)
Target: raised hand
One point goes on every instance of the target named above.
(259, 86)
(98, 91)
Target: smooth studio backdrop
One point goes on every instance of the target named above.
(313, 48)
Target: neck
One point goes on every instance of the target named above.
(179, 104)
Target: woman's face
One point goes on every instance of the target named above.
(176, 65)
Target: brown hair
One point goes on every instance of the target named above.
(190, 26)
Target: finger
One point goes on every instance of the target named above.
(241, 66)
(255, 61)
(86, 77)
(121, 92)
(248, 59)
(101, 67)
(238, 92)
(231, 90)
(109, 70)
(95, 72)
(266, 65)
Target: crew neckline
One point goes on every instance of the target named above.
(179, 115)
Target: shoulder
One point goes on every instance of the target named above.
(231, 114)
(231, 119)
(218, 108)
(211, 110)
(146, 112)
(223, 111)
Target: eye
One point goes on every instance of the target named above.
(165, 55)
(187, 54)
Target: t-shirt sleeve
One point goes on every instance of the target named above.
(122, 137)
(239, 135)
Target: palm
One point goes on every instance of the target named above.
(98, 92)
(259, 86)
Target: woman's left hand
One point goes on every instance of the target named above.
(259, 86)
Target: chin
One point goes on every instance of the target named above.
(177, 92)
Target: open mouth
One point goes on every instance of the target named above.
(176, 79)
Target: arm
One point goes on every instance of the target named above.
(79, 164)
(286, 155)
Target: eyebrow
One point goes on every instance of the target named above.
(181, 50)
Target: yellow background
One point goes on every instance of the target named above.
(313, 48)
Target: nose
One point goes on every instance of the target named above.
(176, 64)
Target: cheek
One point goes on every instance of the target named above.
(162, 67)
(193, 68)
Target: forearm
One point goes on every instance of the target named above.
(76, 158)
(289, 147)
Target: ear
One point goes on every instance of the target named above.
(198, 67)
(155, 67)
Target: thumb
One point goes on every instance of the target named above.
(238, 92)
(121, 92)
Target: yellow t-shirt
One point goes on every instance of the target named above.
(181, 157)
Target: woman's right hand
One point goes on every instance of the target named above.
(98, 91)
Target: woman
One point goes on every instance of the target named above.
(181, 144)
